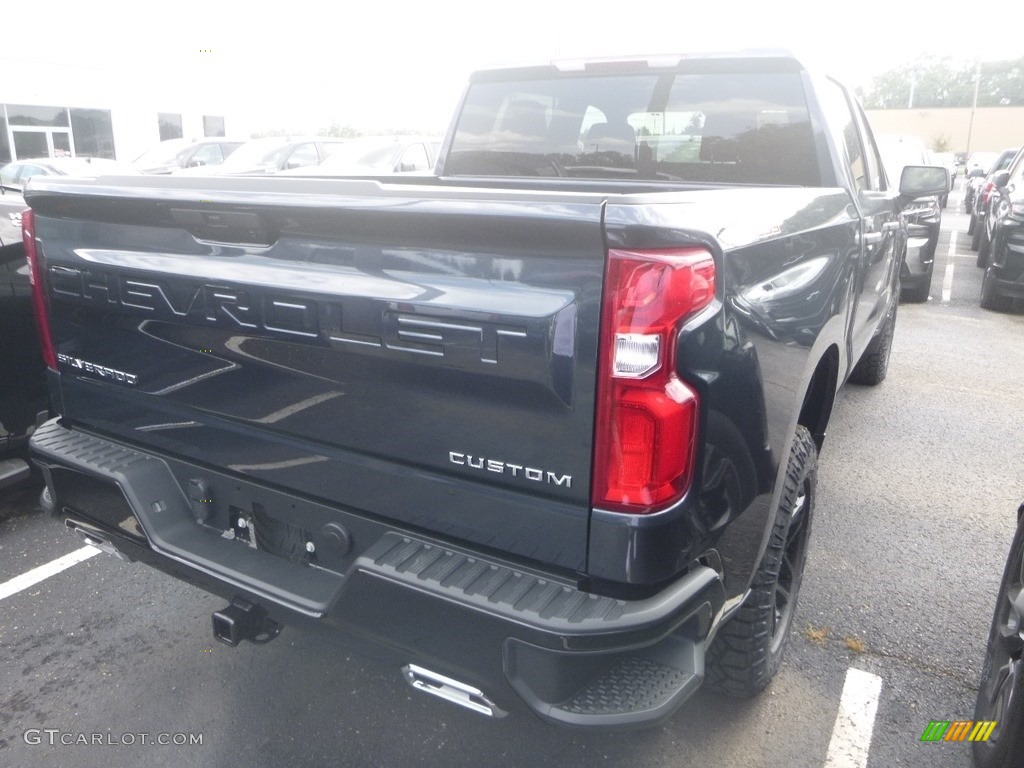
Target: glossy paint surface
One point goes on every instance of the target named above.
(442, 379)
(427, 356)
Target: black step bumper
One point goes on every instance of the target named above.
(571, 656)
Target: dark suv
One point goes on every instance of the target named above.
(980, 187)
(1004, 236)
(924, 216)
(1001, 693)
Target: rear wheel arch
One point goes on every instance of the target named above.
(820, 396)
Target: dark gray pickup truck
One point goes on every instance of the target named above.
(543, 426)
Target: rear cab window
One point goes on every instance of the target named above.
(729, 126)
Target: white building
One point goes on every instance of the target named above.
(106, 108)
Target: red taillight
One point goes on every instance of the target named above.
(35, 275)
(647, 418)
(986, 192)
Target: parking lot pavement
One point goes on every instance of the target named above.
(917, 490)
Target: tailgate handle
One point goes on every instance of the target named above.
(239, 227)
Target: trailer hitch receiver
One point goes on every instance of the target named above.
(243, 620)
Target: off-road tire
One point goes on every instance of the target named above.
(920, 293)
(747, 651)
(971, 224)
(976, 236)
(990, 297)
(984, 248)
(874, 363)
(1001, 693)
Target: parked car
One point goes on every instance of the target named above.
(982, 186)
(975, 173)
(23, 391)
(1003, 240)
(993, 203)
(977, 178)
(15, 175)
(1001, 691)
(372, 155)
(261, 156)
(174, 154)
(924, 216)
(948, 161)
(980, 161)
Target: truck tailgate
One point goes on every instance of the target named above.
(415, 354)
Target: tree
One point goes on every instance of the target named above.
(271, 133)
(337, 130)
(929, 82)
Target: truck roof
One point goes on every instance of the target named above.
(771, 58)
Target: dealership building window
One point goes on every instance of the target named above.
(93, 132)
(170, 126)
(28, 131)
(213, 125)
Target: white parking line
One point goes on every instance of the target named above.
(45, 571)
(851, 737)
(947, 283)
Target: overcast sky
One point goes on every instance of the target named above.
(303, 65)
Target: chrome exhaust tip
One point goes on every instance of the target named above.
(91, 538)
(450, 690)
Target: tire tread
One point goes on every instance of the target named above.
(740, 661)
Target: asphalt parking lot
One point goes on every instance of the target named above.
(104, 661)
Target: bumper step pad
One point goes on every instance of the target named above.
(634, 684)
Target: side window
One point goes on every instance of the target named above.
(8, 174)
(208, 155)
(304, 154)
(414, 159)
(844, 132)
(872, 157)
(27, 172)
(1017, 168)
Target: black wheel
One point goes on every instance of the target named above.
(971, 224)
(918, 293)
(1001, 693)
(984, 248)
(976, 236)
(873, 364)
(990, 297)
(747, 651)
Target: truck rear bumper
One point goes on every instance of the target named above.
(518, 635)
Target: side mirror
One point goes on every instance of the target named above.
(1001, 178)
(976, 173)
(196, 163)
(923, 181)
